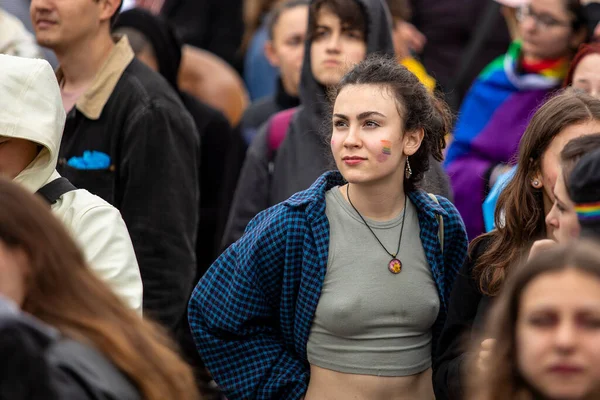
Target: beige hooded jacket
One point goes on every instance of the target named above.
(15, 39)
(31, 108)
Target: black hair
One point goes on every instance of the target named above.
(350, 12)
(275, 14)
(574, 150)
(418, 108)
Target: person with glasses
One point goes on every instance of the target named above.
(502, 99)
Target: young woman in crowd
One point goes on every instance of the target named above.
(288, 154)
(584, 72)
(577, 191)
(497, 108)
(520, 220)
(341, 290)
(44, 273)
(545, 326)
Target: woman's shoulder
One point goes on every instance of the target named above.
(436, 205)
(93, 370)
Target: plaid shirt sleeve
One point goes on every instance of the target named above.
(233, 315)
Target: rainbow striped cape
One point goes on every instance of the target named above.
(491, 121)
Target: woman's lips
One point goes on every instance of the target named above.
(565, 369)
(353, 160)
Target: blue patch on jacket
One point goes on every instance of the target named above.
(90, 160)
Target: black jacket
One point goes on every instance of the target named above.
(467, 310)
(37, 363)
(304, 154)
(222, 150)
(213, 25)
(153, 180)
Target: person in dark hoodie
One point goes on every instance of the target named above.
(348, 32)
(286, 26)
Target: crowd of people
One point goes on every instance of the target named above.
(300, 199)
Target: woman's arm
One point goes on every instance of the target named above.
(233, 316)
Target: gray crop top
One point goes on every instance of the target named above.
(369, 321)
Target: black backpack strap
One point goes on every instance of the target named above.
(52, 191)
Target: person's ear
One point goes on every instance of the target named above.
(271, 54)
(536, 181)
(412, 141)
(108, 9)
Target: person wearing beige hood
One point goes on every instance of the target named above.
(32, 119)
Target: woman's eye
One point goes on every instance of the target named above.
(371, 124)
(561, 208)
(339, 124)
(319, 34)
(354, 35)
(295, 41)
(542, 321)
(592, 323)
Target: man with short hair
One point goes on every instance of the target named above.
(129, 140)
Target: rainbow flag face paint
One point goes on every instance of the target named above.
(590, 211)
(387, 147)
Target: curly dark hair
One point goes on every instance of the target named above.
(418, 108)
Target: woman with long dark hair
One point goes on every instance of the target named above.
(545, 326)
(44, 273)
(520, 221)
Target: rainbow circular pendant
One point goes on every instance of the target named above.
(395, 266)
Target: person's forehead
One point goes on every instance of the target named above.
(513, 3)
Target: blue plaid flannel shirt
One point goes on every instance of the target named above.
(252, 312)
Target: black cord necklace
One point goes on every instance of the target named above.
(395, 265)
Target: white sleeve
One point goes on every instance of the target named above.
(103, 237)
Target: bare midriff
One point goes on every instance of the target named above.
(331, 385)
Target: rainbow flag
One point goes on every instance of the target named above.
(387, 147)
(490, 124)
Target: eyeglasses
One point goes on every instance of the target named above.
(543, 21)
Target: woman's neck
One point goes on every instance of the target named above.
(375, 202)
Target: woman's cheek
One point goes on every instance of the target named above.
(385, 151)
